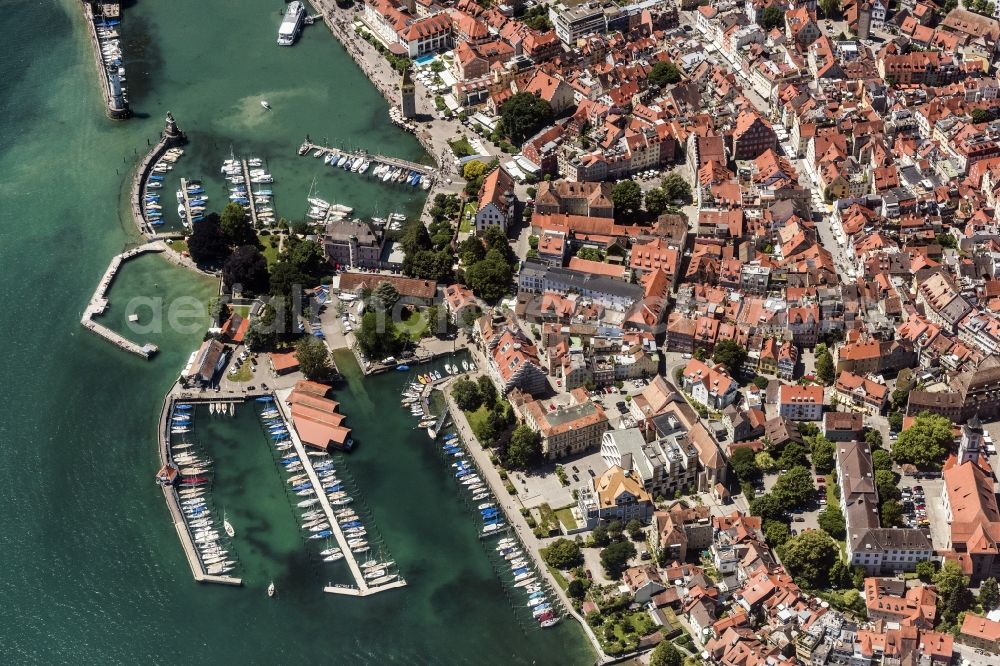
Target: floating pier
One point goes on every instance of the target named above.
(308, 148)
(99, 303)
(250, 193)
(363, 588)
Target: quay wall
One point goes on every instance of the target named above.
(142, 173)
(102, 72)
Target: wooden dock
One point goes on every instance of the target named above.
(309, 148)
(174, 505)
(187, 204)
(99, 303)
(363, 588)
(249, 186)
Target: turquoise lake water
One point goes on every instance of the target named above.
(93, 572)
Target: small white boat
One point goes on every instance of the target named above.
(264, 103)
(226, 525)
(271, 589)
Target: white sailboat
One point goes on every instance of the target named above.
(227, 525)
(271, 590)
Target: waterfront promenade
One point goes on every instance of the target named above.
(511, 506)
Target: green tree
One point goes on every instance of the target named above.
(576, 589)
(490, 279)
(954, 596)
(824, 368)
(776, 532)
(616, 530)
(881, 460)
(261, 334)
(236, 227)
(471, 250)
(744, 465)
(246, 267)
(524, 449)
(831, 8)
(770, 18)
(795, 488)
(656, 201)
(925, 443)
(768, 507)
(524, 114)
(665, 654)
(822, 454)
(926, 571)
(487, 391)
(313, 358)
(676, 188)
(809, 557)
(873, 438)
(466, 394)
(793, 455)
(980, 116)
(663, 73)
(207, 245)
(886, 483)
(765, 462)
(615, 558)
(286, 280)
(989, 594)
(831, 520)
(377, 337)
(473, 170)
(600, 536)
(627, 198)
(384, 296)
(590, 254)
(760, 382)
(891, 513)
(730, 354)
(634, 529)
(562, 554)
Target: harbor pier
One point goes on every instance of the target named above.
(99, 303)
(308, 148)
(174, 503)
(115, 104)
(363, 588)
(250, 194)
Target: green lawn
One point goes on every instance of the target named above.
(465, 225)
(461, 147)
(565, 516)
(244, 375)
(179, 246)
(477, 417)
(414, 326)
(270, 249)
(241, 310)
(558, 575)
(549, 520)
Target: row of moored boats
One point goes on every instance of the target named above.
(241, 191)
(316, 522)
(542, 610)
(360, 164)
(111, 56)
(152, 208)
(210, 538)
(191, 202)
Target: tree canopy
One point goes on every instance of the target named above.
(665, 654)
(473, 169)
(313, 358)
(466, 394)
(891, 513)
(989, 594)
(664, 73)
(384, 296)
(524, 448)
(809, 556)
(236, 227)
(954, 596)
(562, 554)
(730, 354)
(744, 464)
(793, 455)
(615, 557)
(925, 443)
(246, 267)
(831, 520)
(491, 278)
(656, 201)
(822, 454)
(471, 250)
(377, 336)
(524, 114)
(627, 198)
(770, 18)
(207, 245)
(676, 188)
(794, 488)
(825, 371)
(768, 507)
